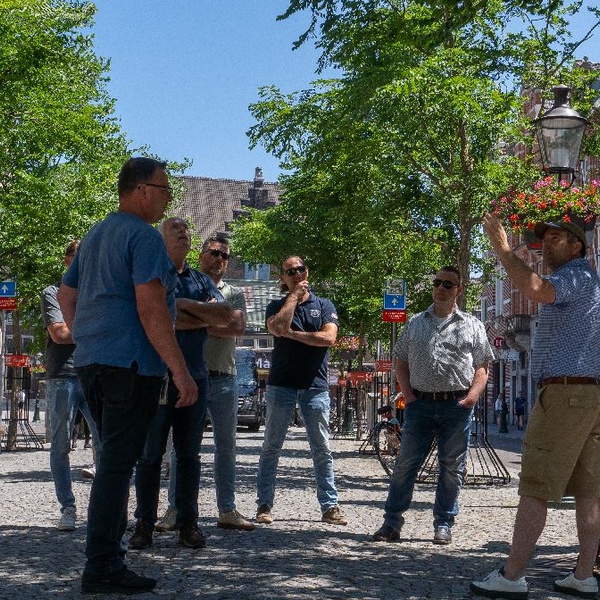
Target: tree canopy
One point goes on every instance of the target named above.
(392, 164)
(61, 144)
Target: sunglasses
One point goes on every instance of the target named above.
(291, 272)
(217, 253)
(445, 283)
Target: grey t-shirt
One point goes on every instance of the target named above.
(59, 357)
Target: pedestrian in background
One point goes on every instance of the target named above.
(442, 358)
(561, 447)
(117, 298)
(64, 397)
(520, 404)
(304, 327)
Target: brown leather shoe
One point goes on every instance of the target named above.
(190, 535)
(142, 536)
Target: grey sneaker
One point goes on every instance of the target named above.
(495, 585)
(168, 522)
(584, 588)
(234, 520)
(442, 535)
(263, 514)
(334, 516)
(67, 519)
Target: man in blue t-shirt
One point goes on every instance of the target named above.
(117, 298)
(304, 326)
(199, 304)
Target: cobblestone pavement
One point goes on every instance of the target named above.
(297, 557)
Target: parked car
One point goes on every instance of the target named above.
(251, 404)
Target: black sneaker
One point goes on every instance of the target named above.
(142, 536)
(190, 535)
(386, 533)
(119, 582)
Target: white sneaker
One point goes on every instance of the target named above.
(89, 472)
(584, 588)
(495, 585)
(67, 519)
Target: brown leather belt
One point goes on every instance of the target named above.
(441, 396)
(218, 374)
(569, 381)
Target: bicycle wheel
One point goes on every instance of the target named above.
(387, 445)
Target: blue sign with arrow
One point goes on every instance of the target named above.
(394, 301)
(8, 289)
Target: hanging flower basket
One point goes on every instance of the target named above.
(549, 200)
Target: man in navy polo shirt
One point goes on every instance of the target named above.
(195, 295)
(304, 326)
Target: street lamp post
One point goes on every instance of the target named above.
(559, 134)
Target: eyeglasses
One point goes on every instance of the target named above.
(167, 188)
(444, 282)
(217, 253)
(291, 272)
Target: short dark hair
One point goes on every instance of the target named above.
(71, 249)
(137, 170)
(212, 239)
(451, 269)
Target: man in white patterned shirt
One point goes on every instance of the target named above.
(442, 360)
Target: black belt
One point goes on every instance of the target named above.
(219, 374)
(441, 396)
(569, 381)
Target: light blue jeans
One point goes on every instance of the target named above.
(222, 406)
(64, 397)
(424, 420)
(314, 407)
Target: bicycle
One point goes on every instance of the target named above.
(387, 435)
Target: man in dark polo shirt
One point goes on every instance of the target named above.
(304, 326)
(195, 295)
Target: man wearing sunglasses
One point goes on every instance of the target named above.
(304, 327)
(442, 360)
(222, 395)
(561, 447)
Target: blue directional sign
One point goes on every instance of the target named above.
(394, 301)
(8, 289)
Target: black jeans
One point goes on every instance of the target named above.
(122, 404)
(188, 427)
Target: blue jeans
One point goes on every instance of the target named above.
(314, 407)
(222, 406)
(122, 403)
(424, 421)
(65, 397)
(188, 427)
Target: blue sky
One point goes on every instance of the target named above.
(183, 73)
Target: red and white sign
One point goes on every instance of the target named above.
(8, 304)
(393, 316)
(355, 376)
(383, 365)
(498, 342)
(18, 360)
